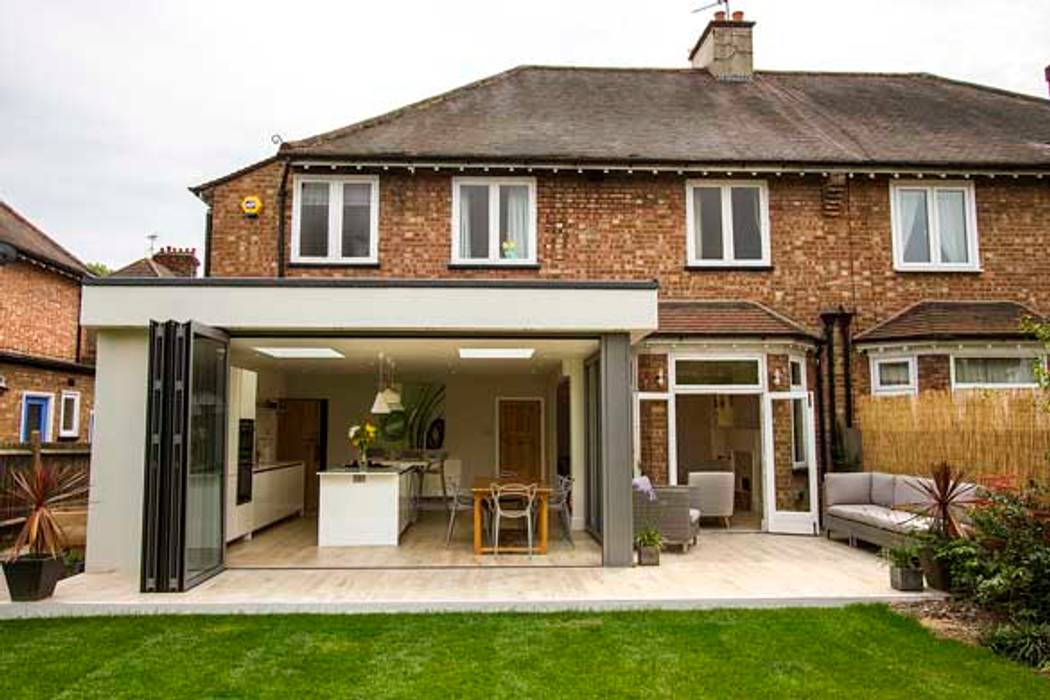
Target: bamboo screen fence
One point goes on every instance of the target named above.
(991, 433)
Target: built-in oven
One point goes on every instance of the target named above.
(245, 459)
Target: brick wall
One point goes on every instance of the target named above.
(652, 372)
(21, 379)
(40, 311)
(653, 441)
(934, 372)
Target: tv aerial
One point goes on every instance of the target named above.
(708, 6)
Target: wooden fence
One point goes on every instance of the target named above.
(988, 433)
(19, 456)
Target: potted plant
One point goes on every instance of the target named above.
(905, 568)
(36, 561)
(648, 542)
(946, 495)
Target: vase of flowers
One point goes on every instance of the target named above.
(361, 436)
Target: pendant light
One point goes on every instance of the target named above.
(380, 405)
(391, 396)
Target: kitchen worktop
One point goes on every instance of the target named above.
(270, 466)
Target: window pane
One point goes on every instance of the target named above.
(313, 220)
(514, 222)
(995, 370)
(951, 223)
(474, 221)
(894, 374)
(717, 372)
(796, 373)
(35, 416)
(357, 229)
(747, 231)
(798, 432)
(707, 220)
(914, 226)
(69, 412)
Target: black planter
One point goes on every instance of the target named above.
(33, 578)
(937, 573)
(905, 579)
(648, 556)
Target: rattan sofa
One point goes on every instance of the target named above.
(671, 513)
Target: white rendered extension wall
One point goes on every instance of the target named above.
(118, 452)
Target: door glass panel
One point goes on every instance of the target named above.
(593, 442)
(790, 478)
(204, 510)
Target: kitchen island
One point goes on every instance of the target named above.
(365, 507)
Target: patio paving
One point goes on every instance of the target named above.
(726, 570)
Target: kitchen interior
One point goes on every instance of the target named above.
(296, 496)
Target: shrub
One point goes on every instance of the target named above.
(1025, 642)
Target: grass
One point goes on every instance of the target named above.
(861, 651)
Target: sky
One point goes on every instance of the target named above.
(110, 110)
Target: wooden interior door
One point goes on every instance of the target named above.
(299, 438)
(521, 437)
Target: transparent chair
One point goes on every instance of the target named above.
(457, 501)
(512, 502)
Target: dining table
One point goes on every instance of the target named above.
(482, 490)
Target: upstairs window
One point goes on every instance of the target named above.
(493, 221)
(934, 226)
(727, 223)
(987, 372)
(335, 220)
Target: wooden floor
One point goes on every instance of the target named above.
(725, 570)
(292, 544)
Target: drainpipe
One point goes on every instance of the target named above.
(282, 193)
(845, 318)
(207, 242)
(822, 436)
(829, 319)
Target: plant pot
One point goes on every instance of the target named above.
(906, 579)
(648, 556)
(937, 573)
(33, 578)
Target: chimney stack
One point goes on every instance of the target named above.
(182, 261)
(724, 48)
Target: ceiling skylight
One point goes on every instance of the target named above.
(291, 353)
(496, 353)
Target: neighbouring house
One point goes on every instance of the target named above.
(167, 262)
(566, 272)
(46, 357)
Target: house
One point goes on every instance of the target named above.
(599, 271)
(46, 357)
(167, 262)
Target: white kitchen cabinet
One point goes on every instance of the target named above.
(277, 492)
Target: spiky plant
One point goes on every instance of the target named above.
(43, 491)
(947, 493)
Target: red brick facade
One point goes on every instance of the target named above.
(652, 448)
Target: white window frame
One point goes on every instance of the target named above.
(493, 183)
(933, 226)
(801, 362)
(48, 421)
(729, 259)
(877, 388)
(75, 430)
(793, 360)
(335, 219)
(993, 354)
(675, 388)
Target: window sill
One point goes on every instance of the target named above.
(488, 265)
(939, 270)
(729, 267)
(300, 264)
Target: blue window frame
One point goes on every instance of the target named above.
(36, 415)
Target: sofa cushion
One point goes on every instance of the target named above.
(882, 489)
(881, 517)
(908, 493)
(694, 515)
(847, 488)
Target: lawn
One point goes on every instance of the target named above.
(864, 651)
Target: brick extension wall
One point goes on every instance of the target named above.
(21, 379)
(652, 450)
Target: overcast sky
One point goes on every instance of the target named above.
(110, 110)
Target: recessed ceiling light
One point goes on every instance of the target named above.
(496, 353)
(289, 353)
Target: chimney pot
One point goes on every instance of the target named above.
(720, 16)
(738, 16)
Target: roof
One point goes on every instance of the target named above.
(544, 113)
(31, 242)
(143, 267)
(719, 318)
(951, 320)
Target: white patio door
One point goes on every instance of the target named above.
(790, 471)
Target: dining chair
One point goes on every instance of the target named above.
(514, 502)
(560, 502)
(457, 501)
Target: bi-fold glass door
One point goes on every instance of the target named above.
(183, 534)
(791, 466)
(592, 412)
